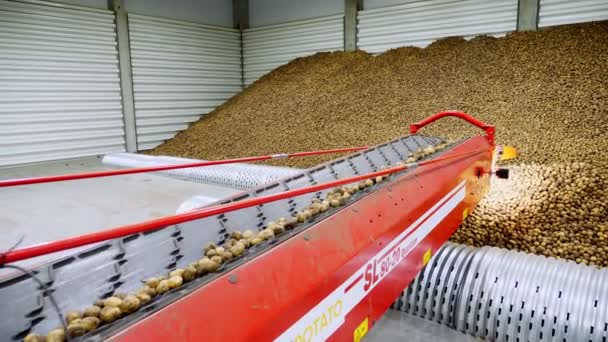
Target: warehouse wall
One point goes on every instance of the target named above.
(59, 83)
(270, 12)
(268, 47)
(561, 12)
(371, 4)
(419, 23)
(181, 70)
(213, 12)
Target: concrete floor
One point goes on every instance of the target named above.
(46, 212)
(399, 326)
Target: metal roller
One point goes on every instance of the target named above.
(505, 295)
(238, 176)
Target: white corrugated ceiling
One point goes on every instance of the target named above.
(181, 71)
(59, 83)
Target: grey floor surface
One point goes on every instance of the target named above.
(46, 212)
(399, 326)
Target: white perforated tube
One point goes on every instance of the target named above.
(238, 176)
(504, 295)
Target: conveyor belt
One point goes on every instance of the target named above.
(78, 280)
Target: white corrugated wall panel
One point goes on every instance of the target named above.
(560, 12)
(267, 47)
(422, 22)
(59, 83)
(181, 71)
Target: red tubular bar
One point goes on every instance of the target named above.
(489, 129)
(96, 174)
(73, 242)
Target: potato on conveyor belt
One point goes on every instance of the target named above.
(33, 337)
(110, 314)
(90, 323)
(72, 315)
(92, 311)
(56, 335)
(112, 301)
(131, 303)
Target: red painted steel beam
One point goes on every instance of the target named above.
(489, 129)
(77, 241)
(107, 173)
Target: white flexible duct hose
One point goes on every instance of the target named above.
(505, 295)
(238, 176)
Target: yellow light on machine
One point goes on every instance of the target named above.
(507, 152)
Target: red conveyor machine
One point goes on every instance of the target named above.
(330, 277)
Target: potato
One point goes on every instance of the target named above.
(92, 311)
(189, 273)
(153, 282)
(112, 301)
(72, 315)
(256, 241)
(217, 259)
(267, 233)
(245, 242)
(308, 213)
(131, 303)
(77, 328)
(248, 234)
(56, 335)
(291, 223)
(143, 297)
(346, 196)
(120, 295)
(212, 252)
(111, 313)
(226, 256)
(301, 217)
(334, 203)
(369, 182)
(90, 323)
(237, 235)
(99, 303)
(175, 282)
(276, 228)
(162, 287)
(148, 290)
(33, 337)
(362, 185)
(220, 250)
(207, 265)
(209, 247)
(238, 249)
(379, 179)
(176, 272)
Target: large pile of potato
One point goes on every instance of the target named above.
(546, 92)
(556, 210)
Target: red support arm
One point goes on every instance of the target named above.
(489, 129)
(114, 233)
(97, 174)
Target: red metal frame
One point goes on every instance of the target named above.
(265, 297)
(108, 173)
(489, 129)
